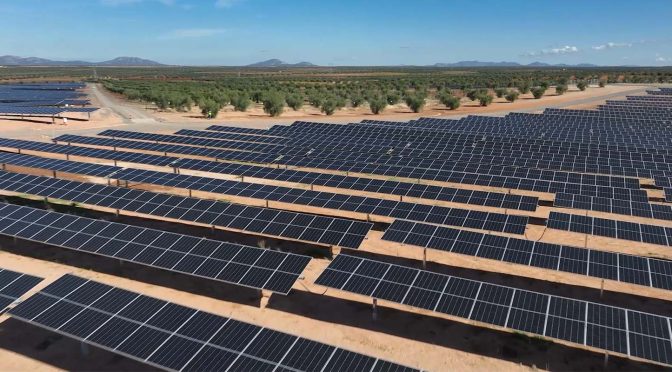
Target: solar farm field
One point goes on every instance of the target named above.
(523, 241)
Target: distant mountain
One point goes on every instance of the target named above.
(278, 63)
(129, 61)
(34, 61)
(506, 64)
(477, 64)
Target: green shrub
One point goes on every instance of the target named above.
(501, 92)
(512, 96)
(240, 102)
(377, 104)
(209, 108)
(274, 103)
(356, 99)
(449, 100)
(415, 101)
(602, 83)
(328, 106)
(295, 101)
(523, 87)
(582, 85)
(560, 89)
(538, 92)
(393, 98)
(484, 99)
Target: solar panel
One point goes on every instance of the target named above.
(282, 224)
(224, 262)
(600, 264)
(13, 285)
(174, 337)
(636, 232)
(642, 335)
(30, 111)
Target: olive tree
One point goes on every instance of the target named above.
(295, 101)
(512, 96)
(582, 85)
(560, 89)
(274, 103)
(538, 92)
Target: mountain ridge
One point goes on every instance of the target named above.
(8, 60)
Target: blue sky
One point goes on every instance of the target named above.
(345, 32)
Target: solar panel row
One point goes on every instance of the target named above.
(282, 224)
(174, 337)
(372, 206)
(604, 327)
(636, 232)
(225, 262)
(600, 264)
(416, 190)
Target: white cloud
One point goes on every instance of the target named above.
(611, 45)
(226, 3)
(193, 33)
(660, 58)
(567, 49)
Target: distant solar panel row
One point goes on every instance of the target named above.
(606, 265)
(13, 285)
(624, 207)
(230, 136)
(89, 169)
(610, 228)
(299, 226)
(604, 327)
(225, 262)
(166, 148)
(373, 206)
(497, 200)
(174, 337)
(204, 142)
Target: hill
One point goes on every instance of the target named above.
(36, 61)
(278, 63)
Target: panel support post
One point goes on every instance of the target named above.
(117, 182)
(242, 178)
(264, 298)
(335, 250)
(84, 349)
(53, 173)
(175, 170)
(126, 184)
(374, 309)
(67, 156)
(424, 258)
(115, 163)
(4, 166)
(190, 193)
(401, 198)
(606, 359)
(117, 213)
(602, 288)
(266, 203)
(312, 187)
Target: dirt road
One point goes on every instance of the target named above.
(128, 113)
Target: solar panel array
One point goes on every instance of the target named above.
(225, 262)
(175, 337)
(600, 264)
(276, 223)
(589, 160)
(49, 99)
(13, 285)
(619, 330)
